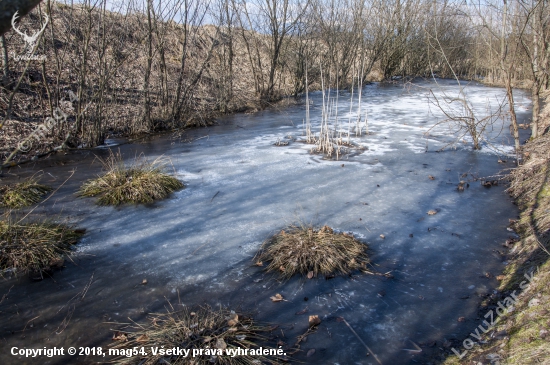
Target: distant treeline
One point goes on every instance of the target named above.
(142, 66)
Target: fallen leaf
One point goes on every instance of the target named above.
(431, 177)
(220, 344)
(259, 263)
(314, 320)
(144, 281)
(142, 338)
(310, 352)
(303, 311)
(233, 319)
(432, 212)
(500, 277)
(119, 336)
(277, 298)
(310, 275)
(57, 263)
(461, 319)
(382, 236)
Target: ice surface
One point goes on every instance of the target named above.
(198, 246)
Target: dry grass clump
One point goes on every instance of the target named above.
(142, 182)
(22, 194)
(305, 250)
(528, 179)
(214, 332)
(530, 186)
(34, 247)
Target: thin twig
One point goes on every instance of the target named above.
(45, 200)
(359, 338)
(71, 306)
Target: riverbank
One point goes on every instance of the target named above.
(514, 328)
(198, 246)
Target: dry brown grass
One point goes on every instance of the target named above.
(142, 182)
(530, 186)
(308, 251)
(527, 327)
(203, 329)
(22, 194)
(35, 247)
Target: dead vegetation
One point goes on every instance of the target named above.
(523, 334)
(310, 252)
(151, 68)
(207, 330)
(34, 247)
(530, 186)
(140, 183)
(22, 194)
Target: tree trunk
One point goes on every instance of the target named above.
(5, 62)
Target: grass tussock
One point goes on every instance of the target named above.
(142, 182)
(206, 329)
(34, 247)
(307, 251)
(22, 194)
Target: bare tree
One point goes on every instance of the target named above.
(279, 19)
(532, 37)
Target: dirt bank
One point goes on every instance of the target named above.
(515, 327)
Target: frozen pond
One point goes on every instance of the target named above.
(197, 246)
